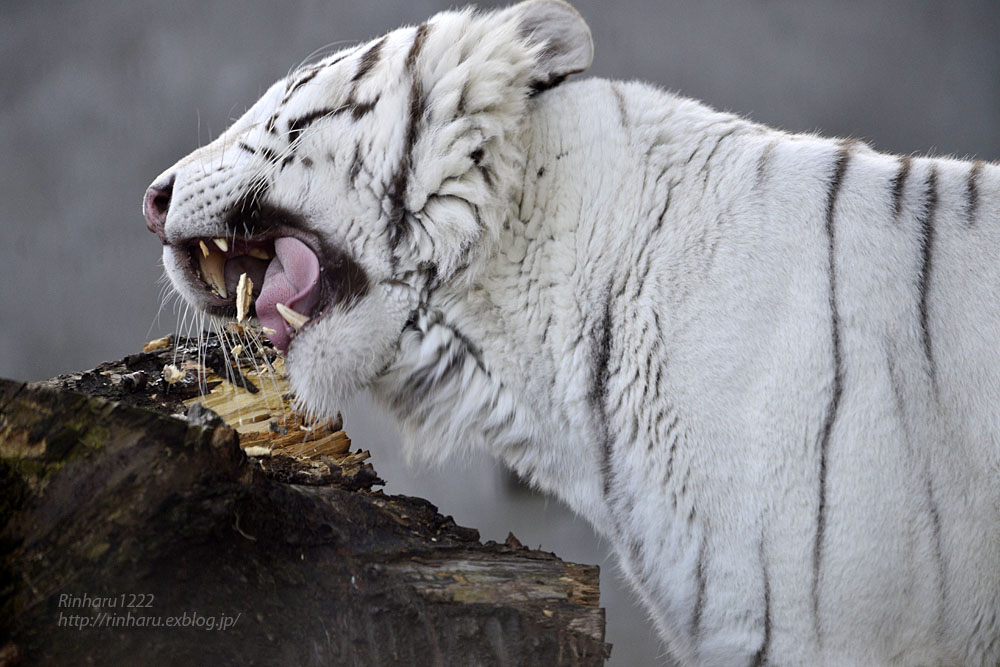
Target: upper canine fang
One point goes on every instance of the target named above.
(213, 271)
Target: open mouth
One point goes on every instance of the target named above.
(277, 269)
(281, 276)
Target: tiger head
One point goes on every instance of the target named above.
(360, 182)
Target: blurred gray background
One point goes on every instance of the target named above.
(98, 98)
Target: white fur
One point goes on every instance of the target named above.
(705, 242)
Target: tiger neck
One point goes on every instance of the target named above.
(478, 365)
(504, 364)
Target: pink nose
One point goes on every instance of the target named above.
(155, 205)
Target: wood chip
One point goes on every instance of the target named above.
(173, 374)
(335, 444)
(156, 344)
(244, 297)
(237, 350)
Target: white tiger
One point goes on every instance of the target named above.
(765, 366)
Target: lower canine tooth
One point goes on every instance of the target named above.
(204, 248)
(293, 318)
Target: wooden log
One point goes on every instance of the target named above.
(128, 536)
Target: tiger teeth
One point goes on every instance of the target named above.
(204, 248)
(213, 271)
(259, 253)
(297, 320)
(222, 244)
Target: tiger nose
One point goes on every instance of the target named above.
(155, 205)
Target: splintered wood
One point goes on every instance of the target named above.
(244, 297)
(324, 439)
(172, 374)
(263, 415)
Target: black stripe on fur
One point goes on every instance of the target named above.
(836, 183)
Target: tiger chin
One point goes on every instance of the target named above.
(763, 365)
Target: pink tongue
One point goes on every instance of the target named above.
(292, 278)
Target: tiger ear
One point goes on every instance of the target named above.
(466, 156)
(562, 34)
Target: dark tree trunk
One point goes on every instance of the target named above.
(117, 521)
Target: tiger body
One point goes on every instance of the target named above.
(678, 384)
(763, 365)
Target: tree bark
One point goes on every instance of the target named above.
(128, 536)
